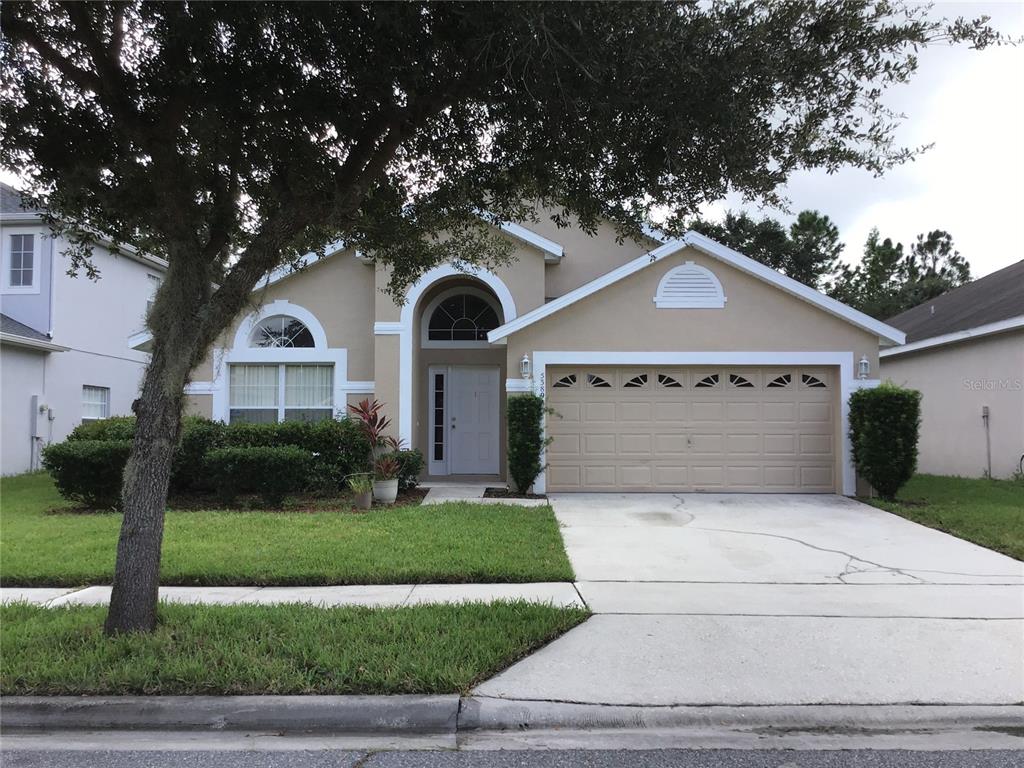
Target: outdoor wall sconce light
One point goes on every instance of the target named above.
(525, 369)
(863, 367)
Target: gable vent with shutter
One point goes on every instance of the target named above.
(689, 286)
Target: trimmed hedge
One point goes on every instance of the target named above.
(332, 450)
(884, 425)
(88, 471)
(271, 471)
(525, 439)
(337, 447)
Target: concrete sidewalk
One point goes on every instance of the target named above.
(441, 493)
(561, 594)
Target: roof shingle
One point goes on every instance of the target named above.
(989, 299)
(13, 327)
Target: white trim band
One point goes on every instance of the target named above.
(999, 326)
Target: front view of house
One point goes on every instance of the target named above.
(668, 365)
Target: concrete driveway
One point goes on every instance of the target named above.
(768, 599)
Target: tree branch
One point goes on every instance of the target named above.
(19, 31)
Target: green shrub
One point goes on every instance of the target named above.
(410, 467)
(273, 472)
(114, 428)
(88, 471)
(525, 441)
(884, 425)
(199, 436)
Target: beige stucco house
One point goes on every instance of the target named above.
(670, 365)
(965, 353)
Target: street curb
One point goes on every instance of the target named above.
(450, 715)
(485, 714)
(306, 714)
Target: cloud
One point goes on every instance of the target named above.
(970, 105)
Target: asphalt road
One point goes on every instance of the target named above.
(670, 758)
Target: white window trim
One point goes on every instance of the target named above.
(661, 301)
(241, 352)
(428, 343)
(35, 287)
(106, 403)
(844, 361)
(281, 383)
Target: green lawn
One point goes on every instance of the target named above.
(284, 649)
(987, 512)
(448, 543)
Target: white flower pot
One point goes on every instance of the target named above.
(385, 491)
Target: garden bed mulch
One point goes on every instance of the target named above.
(305, 503)
(508, 493)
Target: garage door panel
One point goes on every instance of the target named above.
(564, 445)
(743, 443)
(597, 412)
(671, 412)
(600, 476)
(655, 428)
(776, 412)
(599, 443)
(633, 411)
(702, 411)
(669, 476)
(780, 444)
(815, 412)
(671, 443)
(632, 444)
(565, 476)
(705, 443)
(742, 411)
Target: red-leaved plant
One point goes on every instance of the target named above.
(374, 425)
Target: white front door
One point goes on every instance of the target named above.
(473, 427)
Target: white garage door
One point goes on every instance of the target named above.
(692, 429)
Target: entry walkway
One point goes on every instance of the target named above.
(383, 595)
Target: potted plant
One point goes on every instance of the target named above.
(385, 479)
(362, 486)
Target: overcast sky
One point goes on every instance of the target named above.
(970, 105)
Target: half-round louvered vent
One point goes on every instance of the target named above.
(689, 286)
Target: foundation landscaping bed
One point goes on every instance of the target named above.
(980, 510)
(284, 649)
(47, 541)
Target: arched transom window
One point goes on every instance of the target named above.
(281, 331)
(462, 316)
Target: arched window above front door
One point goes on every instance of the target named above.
(460, 317)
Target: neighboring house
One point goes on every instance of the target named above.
(671, 365)
(965, 353)
(64, 351)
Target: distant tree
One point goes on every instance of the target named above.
(807, 251)
(933, 268)
(230, 138)
(889, 281)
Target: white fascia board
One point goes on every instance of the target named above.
(552, 251)
(720, 252)
(794, 287)
(24, 341)
(585, 290)
(287, 270)
(141, 341)
(1011, 323)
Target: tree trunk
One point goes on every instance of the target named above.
(158, 410)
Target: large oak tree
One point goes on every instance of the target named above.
(230, 138)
